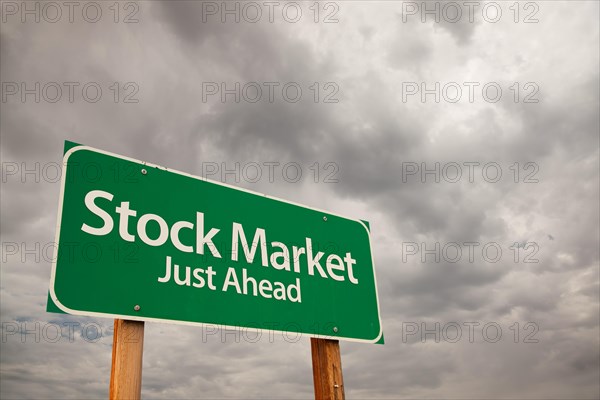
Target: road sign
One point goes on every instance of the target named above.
(138, 241)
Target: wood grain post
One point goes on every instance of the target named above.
(126, 371)
(327, 369)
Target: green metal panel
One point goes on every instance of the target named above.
(110, 261)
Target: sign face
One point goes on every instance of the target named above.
(141, 242)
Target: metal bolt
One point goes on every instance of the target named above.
(336, 386)
(335, 328)
(137, 307)
(324, 218)
(144, 172)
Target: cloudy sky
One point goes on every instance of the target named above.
(479, 127)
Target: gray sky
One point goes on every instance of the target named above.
(373, 126)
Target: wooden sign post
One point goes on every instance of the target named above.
(327, 369)
(126, 371)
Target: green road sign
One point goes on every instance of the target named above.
(142, 242)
